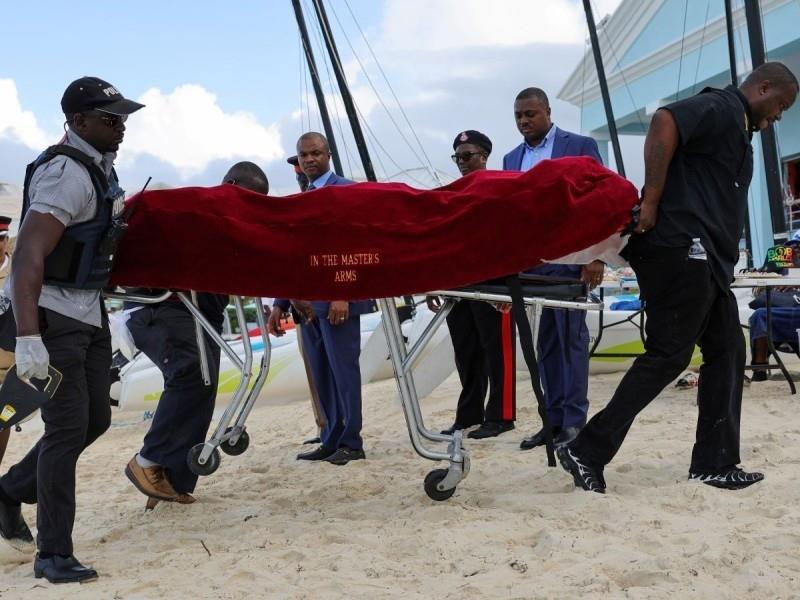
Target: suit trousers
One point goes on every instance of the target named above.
(563, 357)
(333, 352)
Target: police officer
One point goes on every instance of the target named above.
(61, 263)
(483, 336)
(166, 333)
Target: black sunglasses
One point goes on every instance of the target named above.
(109, 119)
(464, 156)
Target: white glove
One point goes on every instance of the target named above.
(31, 357)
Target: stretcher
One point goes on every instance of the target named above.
(528, 295)
(374, 240)
(230, 435)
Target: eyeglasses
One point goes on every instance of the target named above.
(464, 156)
(109, 119)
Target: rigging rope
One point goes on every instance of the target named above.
(621, 72)
(372, 86)
(349, 158)
(700, 51)
(391, 89)
(683, 38)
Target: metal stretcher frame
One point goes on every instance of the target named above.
(440, 484)
(230, 434)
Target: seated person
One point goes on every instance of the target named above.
(785, 325)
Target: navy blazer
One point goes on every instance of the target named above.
(320, 307)
(565, 143)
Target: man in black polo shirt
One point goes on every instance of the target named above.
(698, 165)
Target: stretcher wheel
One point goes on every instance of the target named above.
(239, 447)
(433, 478)
(193, 460)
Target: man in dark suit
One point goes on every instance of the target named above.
(563, 336)
(331, 336)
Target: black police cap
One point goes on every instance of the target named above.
(470, 136)
(88, 93)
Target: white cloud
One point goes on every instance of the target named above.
(431, 25)
(17, 124)
(188, 130)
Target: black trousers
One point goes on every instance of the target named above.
(166, 334)
(684, 306)
(484, 344)
(74, 417)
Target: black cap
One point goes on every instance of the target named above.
(293, 160)
(89, 93)
(470, 136)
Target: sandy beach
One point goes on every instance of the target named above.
(266, 526)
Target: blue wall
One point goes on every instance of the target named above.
(704, 66)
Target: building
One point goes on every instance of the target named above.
(657, 51)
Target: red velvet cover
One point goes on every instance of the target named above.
(369, 240)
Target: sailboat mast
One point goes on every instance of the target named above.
(769, 144)
(315, 80)
(344, 90)
(735, 81)
(731, 42)
(601, 77)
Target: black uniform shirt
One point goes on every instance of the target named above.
(705, 194)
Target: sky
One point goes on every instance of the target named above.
(224, 81)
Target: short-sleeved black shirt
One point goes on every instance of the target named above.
(705, 195)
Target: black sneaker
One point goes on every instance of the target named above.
(13, 528)
(586, 477)
(729, 479)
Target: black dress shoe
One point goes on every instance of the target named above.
(491, 429)
(456, 427)
(320, 453)
(566, 436)
(315, 440)
(344, 455)
(537, 439)
(58, 569)
(13, 528)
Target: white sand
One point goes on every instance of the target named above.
(276, 528)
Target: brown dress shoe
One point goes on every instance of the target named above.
(181, 499)
(151, 481)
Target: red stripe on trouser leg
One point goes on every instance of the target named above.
(509, 367)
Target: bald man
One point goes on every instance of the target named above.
(166, 333)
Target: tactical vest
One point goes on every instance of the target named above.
(84, 255)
